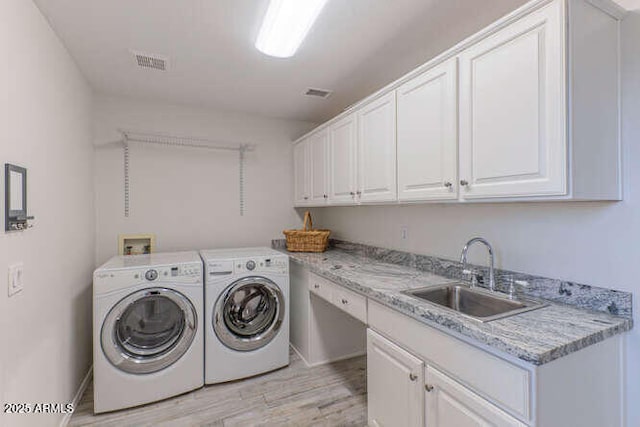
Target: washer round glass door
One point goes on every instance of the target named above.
(249, 314)
(148, 330)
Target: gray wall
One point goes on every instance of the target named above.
(45, 120)
(189, 197)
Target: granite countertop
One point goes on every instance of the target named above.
(537, 336)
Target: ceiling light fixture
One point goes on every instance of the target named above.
(286, 24)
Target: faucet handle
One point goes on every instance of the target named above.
(513, 285)
(473, 278)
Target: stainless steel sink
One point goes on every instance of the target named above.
(478, 304)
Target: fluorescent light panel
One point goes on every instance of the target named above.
(286, 24)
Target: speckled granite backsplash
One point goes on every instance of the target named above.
(584, 296)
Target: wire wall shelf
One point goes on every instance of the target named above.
(129, 137)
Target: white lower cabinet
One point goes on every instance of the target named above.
(419, 375)
(395, 381)
(468, 386)
(450, 404)
(401, 394)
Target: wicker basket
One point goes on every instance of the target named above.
(307, 239)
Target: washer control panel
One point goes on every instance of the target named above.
(163, 273)
(109, 280)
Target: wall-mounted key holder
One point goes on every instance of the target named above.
(15, 191)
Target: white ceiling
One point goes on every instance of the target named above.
(355, 47)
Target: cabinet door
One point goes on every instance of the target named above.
(301, 173)
(428, 135)
(394, 384)
(318, 150)
(377, 150)
(342, 161)
(513, 140)
(449, 404)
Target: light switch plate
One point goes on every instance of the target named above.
(16, 278)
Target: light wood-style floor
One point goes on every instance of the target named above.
(328, 395)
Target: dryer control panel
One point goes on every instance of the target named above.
(262, 264)
(278, 264)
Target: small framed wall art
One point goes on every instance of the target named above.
(136, 244)
(15, 201)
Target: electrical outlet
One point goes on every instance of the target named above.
(16, 278)
(404, 232)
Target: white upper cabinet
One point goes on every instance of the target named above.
(428, 135)
(377, 150)
(310, 158)
(301, 173)
(342, 161)
(539, 106)
(526, 109)
(319, 146)
(512, 110)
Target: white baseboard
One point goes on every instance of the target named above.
(327, 361)
(300, 355)
(76, 399)
(339, 359)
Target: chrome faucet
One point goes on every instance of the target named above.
(463, 259)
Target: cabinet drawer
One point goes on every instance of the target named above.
(321, 287)
(506, 385)
(350, 302)
(344, 299)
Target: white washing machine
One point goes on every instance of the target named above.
(147, 329)
(246, 312)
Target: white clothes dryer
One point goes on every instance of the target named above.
(246, 312)
(147, 331)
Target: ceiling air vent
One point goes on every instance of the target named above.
(320, 93)
(150, 61)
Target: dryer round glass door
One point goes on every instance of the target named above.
(148, 330)
(249, 314)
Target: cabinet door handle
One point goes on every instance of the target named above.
(316, 286)
(428, 387)
(359, 193)
(448, 184)
(325, 196)
(306, 197)
(344, 301)
(413, 376)
(352, 193)
(464, 183)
